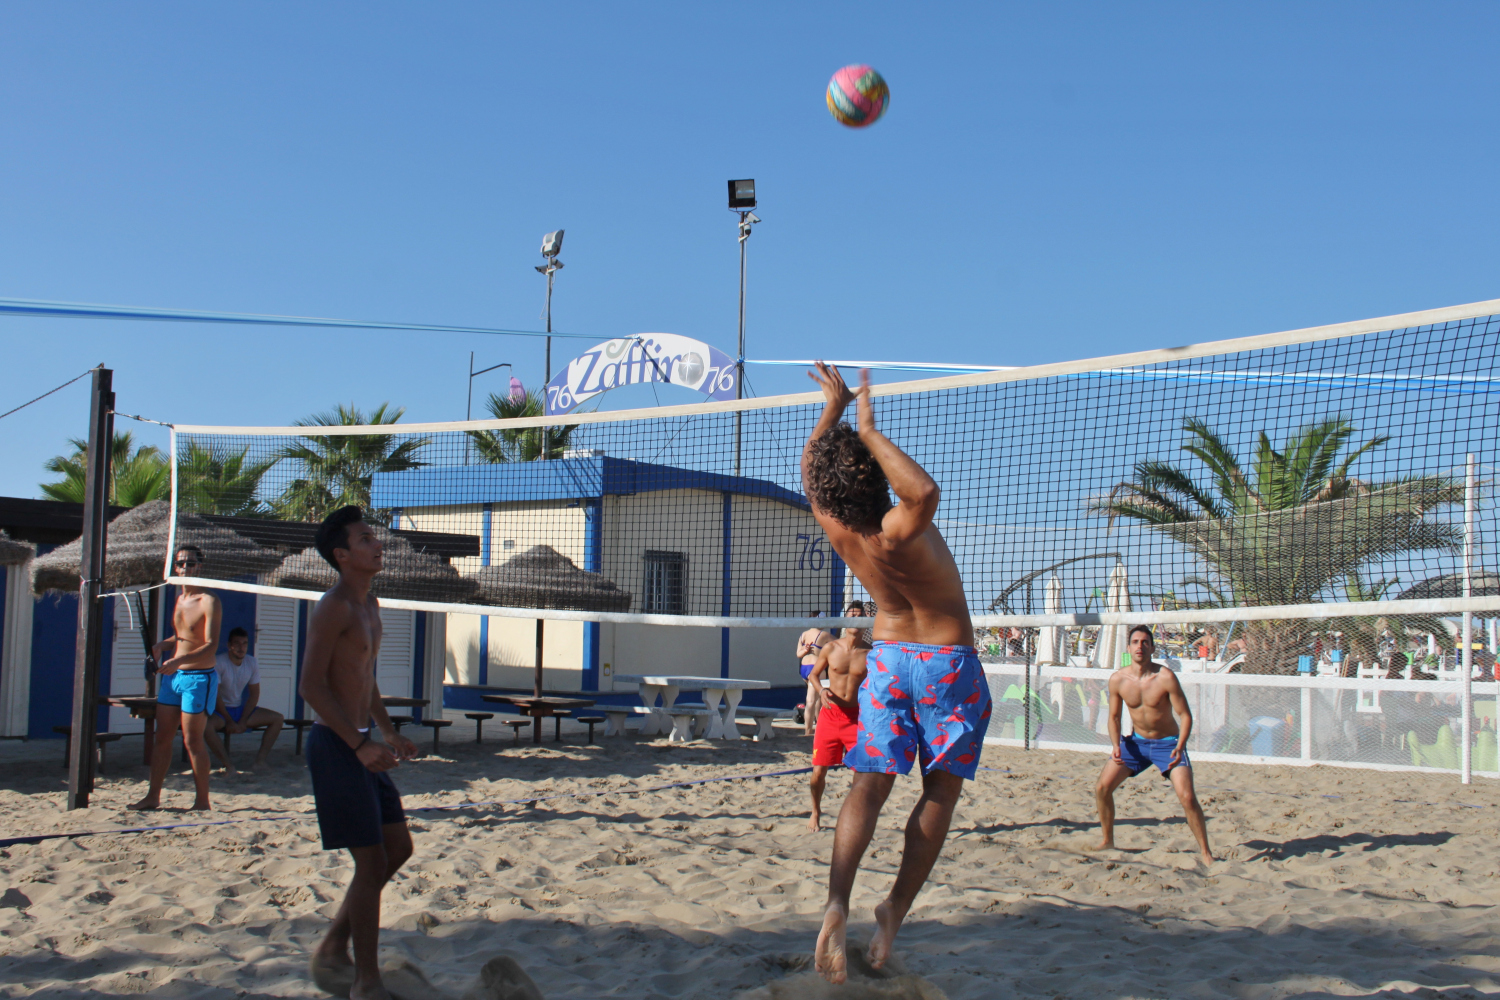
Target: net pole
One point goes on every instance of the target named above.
(1471, 487)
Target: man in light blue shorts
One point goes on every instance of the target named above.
(1151, 691)
(924, 698)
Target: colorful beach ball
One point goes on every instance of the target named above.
(858, 96)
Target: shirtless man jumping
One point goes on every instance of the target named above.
(189, 685)
(843, 660)
(358, 805)
(925, 696)
(1153, 695)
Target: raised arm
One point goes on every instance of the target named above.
(838, 399)
(910, 482)
(1184, 717)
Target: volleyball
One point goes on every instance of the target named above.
(858, 96)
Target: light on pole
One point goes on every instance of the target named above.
(551, 247)
(741, 200)
(469, 406)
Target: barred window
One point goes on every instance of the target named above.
(665, 583)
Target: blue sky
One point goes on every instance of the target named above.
(1052, 181)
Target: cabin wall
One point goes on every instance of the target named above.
(15, 651)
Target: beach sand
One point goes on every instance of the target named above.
(1333, 882)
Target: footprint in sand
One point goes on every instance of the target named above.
(501, 978)
(864, 983)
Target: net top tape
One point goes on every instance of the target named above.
(1355, 328)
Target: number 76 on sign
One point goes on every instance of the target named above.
(813, 555)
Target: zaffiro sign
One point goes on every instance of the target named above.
(646, 357)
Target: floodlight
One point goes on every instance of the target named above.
(742, 194)
(552, 244)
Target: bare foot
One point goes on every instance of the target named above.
(887, 923)
(829, 958)
(369, 991)
(1209, 859)
(201, 806)
(145, 805)
(333, 974)
(814, 823)
(1108, 845)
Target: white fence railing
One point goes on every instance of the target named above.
(1390, 725)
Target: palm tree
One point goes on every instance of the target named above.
(221, 482)
(136, 476)
(337, 469)
(520, 444)
(1290, 530)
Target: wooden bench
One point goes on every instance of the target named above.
(101, 740)
(479, 718)
(762, 718)
(225, 733)
(400, 720)
(437, 726)
(516, 725)
(299, 725)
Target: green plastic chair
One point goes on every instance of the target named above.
(1486, 756)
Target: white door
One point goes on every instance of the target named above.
(276, 652)
(127, 671)
(393, 666)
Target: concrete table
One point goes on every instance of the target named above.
(715, 690)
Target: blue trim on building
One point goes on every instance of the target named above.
(557, 479)
(301, 649)
(727, 519)
(485, 549)
(836, 585)
(593, 562)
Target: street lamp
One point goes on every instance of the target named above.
(469, 406)
(741, 200)
(551, 247)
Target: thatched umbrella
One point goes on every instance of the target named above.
(542, 577)
(408, 574)
(12, 552)
(1450, 585)
(136, 551)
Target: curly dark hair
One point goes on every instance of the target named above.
(845, 482)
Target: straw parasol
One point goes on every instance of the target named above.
(12, 552)
(1110, 645)
(1450, 585)
(407, 574)
(1049, 645)
(542, 577)
(136, 551)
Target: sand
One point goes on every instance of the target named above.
(1332, 883)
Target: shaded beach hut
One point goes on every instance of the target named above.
(136, 551)
(542, 577)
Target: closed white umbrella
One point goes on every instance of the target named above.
(1050, 645)
(1110, 646)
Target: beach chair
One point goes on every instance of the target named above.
(1368, 699)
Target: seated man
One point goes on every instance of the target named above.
(843, 661)
(1154, 696)
(239, 695)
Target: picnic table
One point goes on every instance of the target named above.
(140, 708)
(538, 707)
(715, 689)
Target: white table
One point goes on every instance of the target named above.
(715, 689)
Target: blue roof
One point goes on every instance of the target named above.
(558, 479)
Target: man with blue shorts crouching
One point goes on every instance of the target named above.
(924, 699)
(1151, 691)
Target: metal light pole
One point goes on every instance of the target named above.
(741, 200)
(551, 247)
(469, 405)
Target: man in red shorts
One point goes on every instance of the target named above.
(843, 660)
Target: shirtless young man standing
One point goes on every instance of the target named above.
(843, 660)
(1153, 695)
(925, 696)
(358, 805)
(808, 644)
(188, 684)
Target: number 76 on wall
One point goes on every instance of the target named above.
(813, 555)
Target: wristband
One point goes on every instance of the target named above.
(362, 742)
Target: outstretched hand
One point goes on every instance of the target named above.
(838, 394)
(866, 411)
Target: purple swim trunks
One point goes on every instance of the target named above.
(920, 701)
